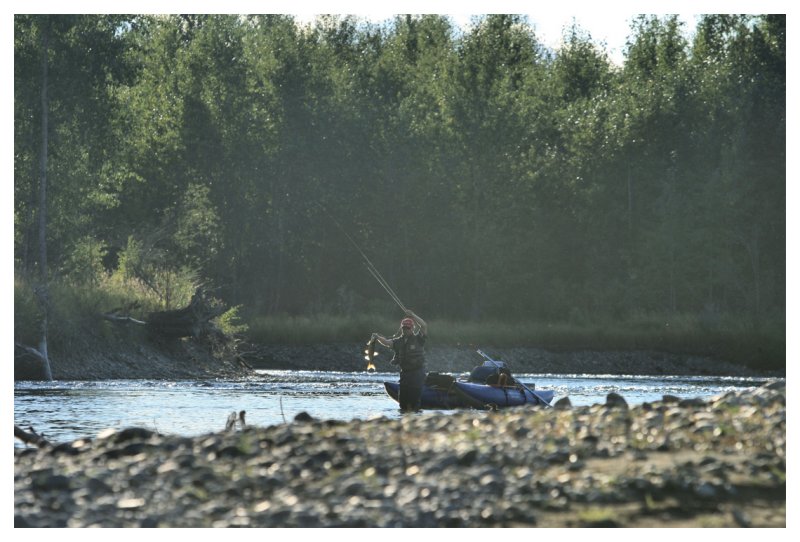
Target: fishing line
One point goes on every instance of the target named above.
(370, 266)
(387, 288)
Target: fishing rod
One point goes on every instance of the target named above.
(497, 364)
(379, 278)
(370, 266)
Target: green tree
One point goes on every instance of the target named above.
(495, 60)
(485, 176)
(61, 100)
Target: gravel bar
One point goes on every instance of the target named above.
(675, 462)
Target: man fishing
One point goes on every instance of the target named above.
(409, 355)
(409, 346)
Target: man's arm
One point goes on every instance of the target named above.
(383, 340)
(420, 322)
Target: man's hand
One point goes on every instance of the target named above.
(420, 322)
(382, 340)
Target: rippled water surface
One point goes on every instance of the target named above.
(67, 410)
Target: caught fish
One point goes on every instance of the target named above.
(370, 353)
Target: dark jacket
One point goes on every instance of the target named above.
(409, 352)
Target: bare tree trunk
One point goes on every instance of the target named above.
(42, 289)
(749, 241)
(756, 268)
(710, 284)
(279, 275)
(672, 287)
(27, 240)
(476, 307)
(630, 201)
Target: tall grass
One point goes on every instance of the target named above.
(740, 341)
(76, 309)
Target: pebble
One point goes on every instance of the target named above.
(614, 399)
(741, 518)
(563, 404)
(518, 467)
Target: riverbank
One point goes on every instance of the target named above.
(446, 359)
(690, 463)
(132, 354)
(86, 345)
(138, 357)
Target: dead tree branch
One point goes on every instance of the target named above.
(121, 319)
(30, 437)
(191, 321)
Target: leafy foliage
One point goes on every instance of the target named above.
(485, 176)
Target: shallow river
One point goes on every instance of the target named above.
(67, 410)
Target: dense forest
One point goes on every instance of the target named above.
(485, 175)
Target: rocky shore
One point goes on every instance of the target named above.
(715, 463)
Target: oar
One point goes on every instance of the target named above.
(539, 397)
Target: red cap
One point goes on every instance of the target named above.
(407, 322)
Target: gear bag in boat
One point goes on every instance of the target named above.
(439, 380)
(491, 373)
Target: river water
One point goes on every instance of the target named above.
(68, 410)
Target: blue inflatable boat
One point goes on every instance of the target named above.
(489, 386)
(470, 395)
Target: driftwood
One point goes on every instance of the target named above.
(191, 321)
(120, 315)
(30, 437)
(121, 319)
(194, 320)
(230, 425)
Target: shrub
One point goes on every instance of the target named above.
(230, 322)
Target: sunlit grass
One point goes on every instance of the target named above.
(596, 514)
(76, 310)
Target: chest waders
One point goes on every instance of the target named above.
(409, 354)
